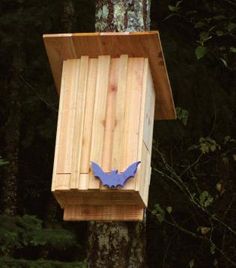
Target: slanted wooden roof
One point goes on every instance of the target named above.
(136, 44)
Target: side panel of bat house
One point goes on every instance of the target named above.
(146, 133)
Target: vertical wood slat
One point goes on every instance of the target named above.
(147, 135)
(66, 113)
(88, 122)
(62, 181)
(149, 112)
(89, 113)
(110, 121)
(118, 135)
(146, 127)
(144, 179)
(81, 85)
(132, 114)
(98, 128)
(147, 184)
(66, 116)
(140, 173)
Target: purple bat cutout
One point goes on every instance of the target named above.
(114, 179)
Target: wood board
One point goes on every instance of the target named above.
(136, 44)
(103, 213)
(106, 115)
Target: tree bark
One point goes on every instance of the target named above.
(119, 244)
(122, 15)
(68, 16)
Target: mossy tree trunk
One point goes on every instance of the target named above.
(122, 15)
(119, 244)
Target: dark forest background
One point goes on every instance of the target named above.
(191, 215)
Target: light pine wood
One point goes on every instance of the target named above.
(118, 135)
(64, 139)
(145, 174)
(142, 44)
(59, 119)
(66, 117)
(61, 181)
(138, 181)
(81, 85)
(103, 213)
(99, 118)
(83, 181)
(148, 135)
(147, 184)
(110, 121)
(106, 115)
(149, 112)
(132, 115)
(89, 114)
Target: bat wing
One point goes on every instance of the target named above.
(128, 173)
(100, 174)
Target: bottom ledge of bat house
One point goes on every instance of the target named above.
(99, 198)
(103, 213)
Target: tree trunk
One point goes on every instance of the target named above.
(122, 15)
(119, 244)
(68, 16)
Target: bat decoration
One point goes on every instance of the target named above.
(114, 179)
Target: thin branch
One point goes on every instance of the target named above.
(197, 236)
(36, 93)
(230, 3)
(192, 165)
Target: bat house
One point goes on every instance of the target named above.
(112, 87)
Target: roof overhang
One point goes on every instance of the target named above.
(61, 47)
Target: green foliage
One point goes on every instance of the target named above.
(196, 211)
(200, 52)
(27, 231)
(182, 115)
(176, 7)
(21, 263)
(193, 160)
(207, 145)
(3, 162)
(205, 199)
(159, 213)
(214, 24)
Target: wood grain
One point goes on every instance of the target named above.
(132, 115)
(118, 134)
(65, 125)
(143, 44)
(103, 213)
(95, 197)
(110, 121)
(81, 87)
(106, 115)
(99, 117)
(89, 114)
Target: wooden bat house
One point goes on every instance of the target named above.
(112, 87)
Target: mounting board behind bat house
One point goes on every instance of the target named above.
(112, 86)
